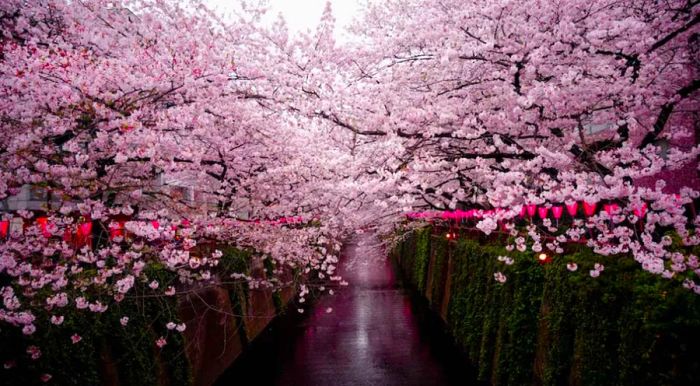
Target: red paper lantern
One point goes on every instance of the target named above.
(116, 229)
(4, 228)
(84, 233)
(542, 212)
(43, 225)
(572, 209)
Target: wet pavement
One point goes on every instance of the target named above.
(375, 335)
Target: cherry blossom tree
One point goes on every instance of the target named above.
(287, 144)
(113, 108)
(502, 104)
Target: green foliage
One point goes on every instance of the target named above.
(130, 350)
(547, 325)
(439, 268)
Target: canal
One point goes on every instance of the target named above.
(376, 333)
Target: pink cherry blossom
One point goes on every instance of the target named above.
(34, 352)
(500, 277)
(75, 338)
(161, 342)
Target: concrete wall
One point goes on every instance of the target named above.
(217, 333)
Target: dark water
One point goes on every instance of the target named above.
(375, 335)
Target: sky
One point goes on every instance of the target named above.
(303, 14)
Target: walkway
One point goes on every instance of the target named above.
(373, 336)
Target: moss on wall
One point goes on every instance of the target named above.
(546, 325)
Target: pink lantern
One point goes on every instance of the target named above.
(531, 209)
(641, 210)
(611, 208)
(557, 211)
(522, 211)
(542, 212)
(589, 208)
(572, 209)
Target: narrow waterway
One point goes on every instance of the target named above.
(375, 335)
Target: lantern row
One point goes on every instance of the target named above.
(529, 210)
(83, 231)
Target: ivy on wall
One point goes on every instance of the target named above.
(546, 325)
(422, 258)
